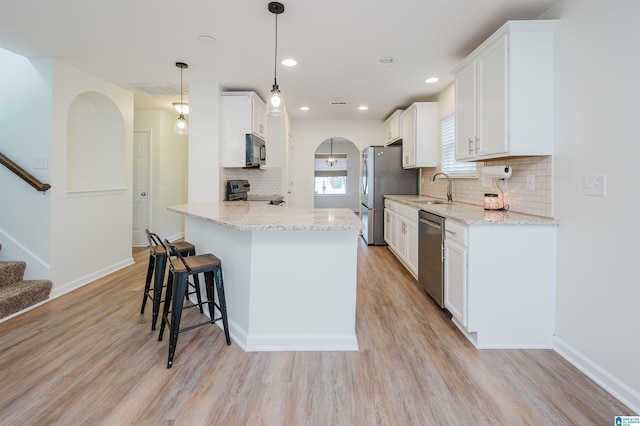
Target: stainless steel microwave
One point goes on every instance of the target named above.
(256, 151)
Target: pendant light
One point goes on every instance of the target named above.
(275, 104)
(181, 107)
(332, 161)
(181, 127)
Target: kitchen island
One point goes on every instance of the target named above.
(289, 273)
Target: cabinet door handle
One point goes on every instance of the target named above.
(451, 232)
(470, 145)
(477, 144)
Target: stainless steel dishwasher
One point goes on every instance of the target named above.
(431, 255)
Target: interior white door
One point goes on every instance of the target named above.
(140, 207)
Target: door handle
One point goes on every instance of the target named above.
(143, 194)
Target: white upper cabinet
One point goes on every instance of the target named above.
(420, 135)
(504, 94)
(242, 113)
(259, 117)
(393, 128)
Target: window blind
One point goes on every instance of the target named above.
(322, 169)
(449, 164)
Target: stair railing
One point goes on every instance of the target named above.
(23, 174)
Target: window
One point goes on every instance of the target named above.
(331, 180)
(449, 164)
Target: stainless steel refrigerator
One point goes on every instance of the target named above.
(382, 174)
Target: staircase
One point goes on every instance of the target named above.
(17, 294)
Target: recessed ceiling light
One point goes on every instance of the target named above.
(304, 108)
(431, 80)
(387, 60)
(289, 62)
(208, 40)
(363, 108)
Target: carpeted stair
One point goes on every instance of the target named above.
(17, 294)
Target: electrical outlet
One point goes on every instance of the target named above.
(595, 185)
(531, 182)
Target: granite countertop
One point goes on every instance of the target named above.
(261, 216)
(264, 197)
(471, 214)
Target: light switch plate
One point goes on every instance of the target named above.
(595, 185)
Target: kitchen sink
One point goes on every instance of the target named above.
(430, 202)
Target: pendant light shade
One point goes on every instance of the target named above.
(182, 126)
(275, 104)
(181, 107)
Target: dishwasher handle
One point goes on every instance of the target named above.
(430, 223)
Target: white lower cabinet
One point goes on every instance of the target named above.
(455, 271)
(500, 283)
(390, 235)
(401, 233)
(411, 233)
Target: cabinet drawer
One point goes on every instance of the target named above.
(388, 204)
(410, 213)
(456, 232)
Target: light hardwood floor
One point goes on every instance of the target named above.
(89, 357)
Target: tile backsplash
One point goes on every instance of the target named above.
(537, 201)
(267, 181)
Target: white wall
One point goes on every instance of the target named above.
(167, 170)
(204, 143)
(90, 234)
(309, 134)
(596, 132)
(25, 119)
(70, 240)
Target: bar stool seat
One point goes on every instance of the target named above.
(156, 269)
(180, 269)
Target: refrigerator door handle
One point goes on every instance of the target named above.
(370, 227)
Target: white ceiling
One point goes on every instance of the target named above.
(337, 44)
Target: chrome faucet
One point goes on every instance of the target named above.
(449, 195)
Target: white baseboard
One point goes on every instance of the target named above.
(73, 285)
(611, 384)
(15, 314)
(301, 343)
(176, 237)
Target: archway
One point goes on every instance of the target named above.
(337, 186)
(95, 144)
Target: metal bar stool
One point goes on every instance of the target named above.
(158, 263)
(180, 269)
